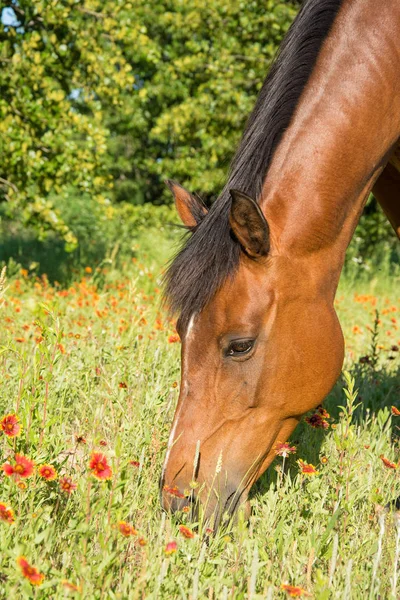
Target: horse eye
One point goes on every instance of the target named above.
(239, 347)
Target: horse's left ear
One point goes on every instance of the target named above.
(249, 224)
(190, 208)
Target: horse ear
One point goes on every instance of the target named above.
(190, 208)
(249, 225)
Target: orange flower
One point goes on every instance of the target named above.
(387, 463)
(307, 468)
(395, 411)
(284, 449)
(88, 269)
(23, 467)
(294, 591)
(67, 485)
(30, 572)
(173, 339)
(186, 532)
(142, 542)
(126, 529)
(47, 472)
(99, 466)
(10, 426)
(6, 513)
(173, 491)
(170, 548)
(324, 460)
(317, 421)
(122, 385)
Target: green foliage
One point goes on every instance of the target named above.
(61, 65)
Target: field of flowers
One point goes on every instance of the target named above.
(89, 381)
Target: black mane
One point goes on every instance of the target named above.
(210, 254)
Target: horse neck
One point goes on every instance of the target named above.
(339, 140)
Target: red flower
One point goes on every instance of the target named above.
(173, 491)
(173, 339)
(126, 529)
(387, 463)
(47, 472)
(283, 449)
(30, 572)
(99, 466)
(23, 467)
(317, 421)
(10, 426)
(6, 513)
(321, 411)
(170, 548)
(67, 485)
(307, 468)
(294, 591)
(395, 411)
(134, 463)
(122, 385)
(186, 532)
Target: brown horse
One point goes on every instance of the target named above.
(255, 282)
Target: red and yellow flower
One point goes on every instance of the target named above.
(284, 449)
(6, 513)
(173, 491)
(67, 485)
(317, 421)
(388, 463)
(170, 548)
(186, 532)
(10, 425)
(31, 573)
(126, 529)
(307, 468)
(99, 466)
(23, 467)
(47, 472)
(395, 411)
(294, 591)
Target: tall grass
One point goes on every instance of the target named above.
(95, 367)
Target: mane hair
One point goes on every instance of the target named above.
(211, 254)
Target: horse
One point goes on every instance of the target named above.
(254, 283)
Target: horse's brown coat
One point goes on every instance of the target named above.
(341, 144)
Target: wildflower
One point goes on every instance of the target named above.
(186, 509)
(209, 531)
(307, 468)
(387, 463)
(284, 449)
(21, 485)
(142, 542)
(6, 513)
(324, 460)
(317, 421)
(23, 467)
(395, 411)
(394, 348)
(126, 529)
(122, 385)
(173, 491)
(67, 485)
(88, 270)
(322, 412)
(170, 548)
(172, 339)
(71, 586)
(134, 463)
(99, 466)
(186, 532)
(103, 443)
(30, 572)
(294, 591)
(48, 472)
(61, 348)
(80, 439)
(10, 426)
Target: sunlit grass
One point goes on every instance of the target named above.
(95, 368)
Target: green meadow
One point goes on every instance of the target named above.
(92, 366)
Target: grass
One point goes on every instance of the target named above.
(95, 368)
